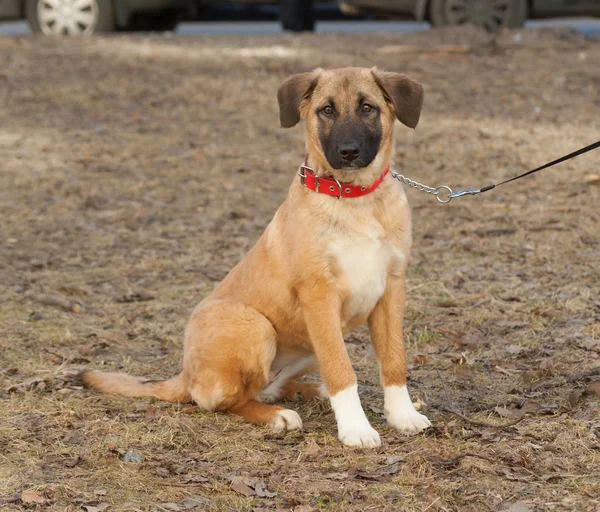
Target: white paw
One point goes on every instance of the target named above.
(286, 419)
(400, 411)
(361, 437)
(409, 421)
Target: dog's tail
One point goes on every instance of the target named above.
(171, 390)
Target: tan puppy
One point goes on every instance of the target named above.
(322, 267)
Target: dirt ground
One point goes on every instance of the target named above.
(136, 171)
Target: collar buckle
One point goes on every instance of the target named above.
(302, 174)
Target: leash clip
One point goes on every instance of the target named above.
(460, 193)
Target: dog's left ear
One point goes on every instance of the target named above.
(405, 94)
(291, 93)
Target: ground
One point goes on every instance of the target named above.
(136, 171)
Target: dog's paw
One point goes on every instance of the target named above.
(286, 419)
(409, 421)
(360, 437)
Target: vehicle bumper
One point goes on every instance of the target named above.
(125, 8)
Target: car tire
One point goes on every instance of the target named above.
(91, 17)
(164, 21)
(493, 18)
(297, 15)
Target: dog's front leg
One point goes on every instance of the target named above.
(321, 310)
(386, 324)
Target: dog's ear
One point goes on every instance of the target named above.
(291, 93)
(405, 94)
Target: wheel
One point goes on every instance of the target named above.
(155, 21)
(297, 15)
(70, 17)
(492, 15)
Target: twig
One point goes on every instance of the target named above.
(454, 460)
(444, 387)
(166, 484)
(55, 300)
(482, 423)
(431, 504)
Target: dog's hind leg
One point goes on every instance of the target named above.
(229, 350)
(274, 416)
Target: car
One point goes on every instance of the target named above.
(492, 15)
(84, 17)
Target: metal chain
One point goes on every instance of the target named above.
(424, 188)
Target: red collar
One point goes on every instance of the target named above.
(332, 187)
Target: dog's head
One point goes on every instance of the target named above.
(349, 113)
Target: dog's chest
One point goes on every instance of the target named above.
(363, 265)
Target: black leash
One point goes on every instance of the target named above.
(473, 191)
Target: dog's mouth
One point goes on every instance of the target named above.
(339, 164)
(350, 166)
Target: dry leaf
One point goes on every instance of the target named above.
(312, 447)
(375, 409)
(473, 340)
(337, 476)
(96, 508)
(420, 359)
(170, 506)
(392, 469)
(238, 484)
(517, 506)
(507, 413)
(93, 349)
(514, 349)
(52, 357)
(31, 497)
(263, 492)
(194, 502)
(593, 387)
(392, 459)
(499, 369)
(25, 386)
(71, 463)
(130, 456)
(162, 472)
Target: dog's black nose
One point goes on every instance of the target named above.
(349, 151)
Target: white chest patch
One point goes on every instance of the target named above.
(365, 264)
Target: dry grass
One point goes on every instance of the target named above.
(149, 166)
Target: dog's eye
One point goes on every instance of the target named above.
(367, 108)
(328, 110)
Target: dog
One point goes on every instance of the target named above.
(333, 257)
